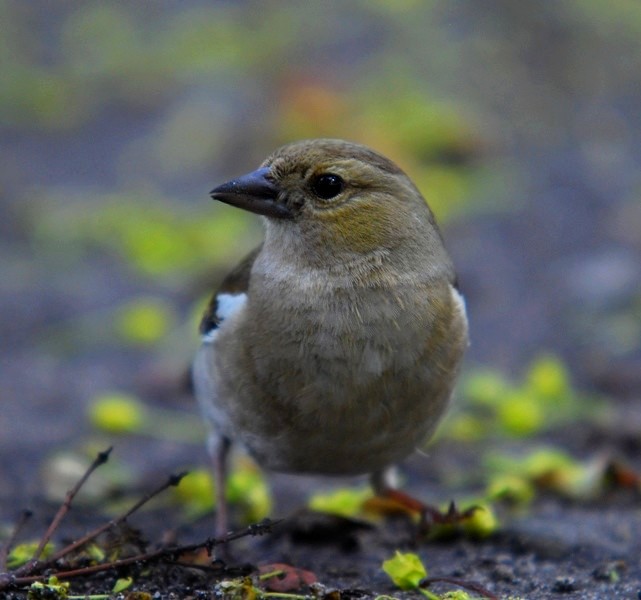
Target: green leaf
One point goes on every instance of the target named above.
(144, 320)
(482, 523)
(511, 488)
(51, 590)
(344, 502)
(117, 412)
(551, 469)
(405, 570)
(24, 552)
(520, 414)
(549, 379)
(485, 387)
(247, 486)
(196, 492)
(122, 584)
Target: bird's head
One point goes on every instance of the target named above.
(335, 195)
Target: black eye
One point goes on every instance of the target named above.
(327, 185)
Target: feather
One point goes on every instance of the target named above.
(229, 296)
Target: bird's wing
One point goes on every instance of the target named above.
(229, 297)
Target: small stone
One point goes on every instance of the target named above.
(564, 585)
(503, 572)
(610, 571)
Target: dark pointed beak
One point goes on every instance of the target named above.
(254, 192)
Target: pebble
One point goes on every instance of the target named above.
(564, 585)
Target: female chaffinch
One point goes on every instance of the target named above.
(333, 347)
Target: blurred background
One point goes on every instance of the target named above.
(519, 122)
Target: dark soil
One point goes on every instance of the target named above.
(556, 547)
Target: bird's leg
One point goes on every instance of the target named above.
(383, 485)
(219, 450)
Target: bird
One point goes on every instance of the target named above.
(333, 348)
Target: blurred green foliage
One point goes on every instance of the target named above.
(144, 321)
(109, 52)
(247, 490)
(494, 406)
(159, 240)
(118, 412)
(200, 91)
(115, 412)
(344, 502)
(21, 553)
(514, 479)
(181, 65)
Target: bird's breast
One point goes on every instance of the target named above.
(330, 364)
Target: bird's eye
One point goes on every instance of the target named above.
(327, 185)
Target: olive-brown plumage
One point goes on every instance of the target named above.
(335, 346)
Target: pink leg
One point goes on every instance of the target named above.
(219, 450)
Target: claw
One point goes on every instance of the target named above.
(429, 516)
(450, 517)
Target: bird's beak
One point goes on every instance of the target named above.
(254, 192)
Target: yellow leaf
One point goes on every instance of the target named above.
(144, 320)
(520, 414)
(482, 523)
(343, 502)
(405, 570)
(117, 412)
(122, 584)
(548, 378)
(21, 553)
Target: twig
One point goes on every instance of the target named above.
(25, 515)
(172, 481)
(163, 553)
(100, 459)
(26, 574)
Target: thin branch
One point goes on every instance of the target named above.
(172, 481)
(25, 515)
(100, 459)
(161, 554)
(26, 574)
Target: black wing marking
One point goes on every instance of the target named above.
(236, 282)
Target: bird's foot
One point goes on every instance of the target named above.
(429, 516)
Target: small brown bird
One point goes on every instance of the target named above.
(332, 348)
